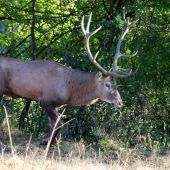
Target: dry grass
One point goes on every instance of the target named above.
(73, 155)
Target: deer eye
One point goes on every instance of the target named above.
(108, 85)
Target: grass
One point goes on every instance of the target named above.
(24, 153)
(72, 155)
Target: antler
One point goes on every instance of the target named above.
(118, 72)
(87, 36)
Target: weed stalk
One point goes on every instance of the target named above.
(12, 150)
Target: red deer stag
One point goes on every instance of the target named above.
(53, 85)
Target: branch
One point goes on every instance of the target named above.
(52, 41)
(105, 7)
(58, 23)
(17, 45)
(3, 18)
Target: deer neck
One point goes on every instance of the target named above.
(83, 88)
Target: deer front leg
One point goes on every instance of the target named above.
(52, 116)
(1, 96)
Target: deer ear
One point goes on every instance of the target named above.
(99, 76)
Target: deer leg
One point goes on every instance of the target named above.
(53, 116)
(1, 96)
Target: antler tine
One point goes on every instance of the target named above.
(132, 55)
(122, 69)
(86, 32)
(88, 23)
(87, 36)
(118, 72)
(124, 19)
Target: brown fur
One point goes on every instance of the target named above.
(53, 85)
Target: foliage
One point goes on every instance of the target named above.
(58, 37)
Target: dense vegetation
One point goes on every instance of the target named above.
(40, 29)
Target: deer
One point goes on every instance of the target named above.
(53, 85)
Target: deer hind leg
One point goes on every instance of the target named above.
(52, 116)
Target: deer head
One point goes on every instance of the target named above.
(109, 84)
